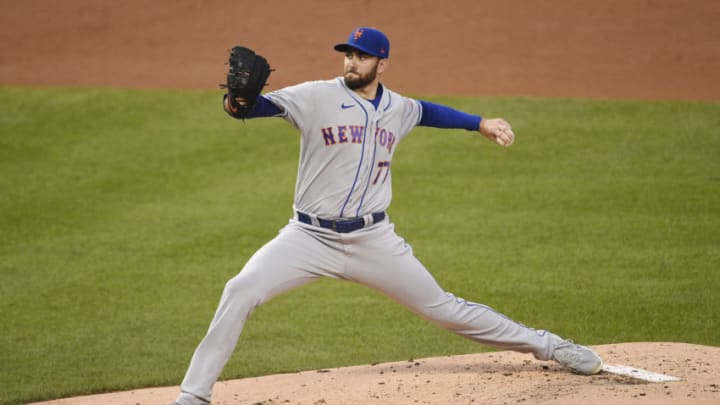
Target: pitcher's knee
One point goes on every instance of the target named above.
(452, 312)
(241, 287)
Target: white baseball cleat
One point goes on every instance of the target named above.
(578, 358)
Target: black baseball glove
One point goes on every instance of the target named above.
(245, 79)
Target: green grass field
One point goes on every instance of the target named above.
(123, 213)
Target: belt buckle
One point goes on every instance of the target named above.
(342, 225)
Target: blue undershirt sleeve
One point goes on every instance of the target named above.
(263, 108)
(440, 116)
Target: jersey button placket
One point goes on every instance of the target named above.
(369, 162)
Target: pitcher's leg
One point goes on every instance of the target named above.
(388, 265)
(412, 286)
(280, 265)
(483, 324)
(241, 296)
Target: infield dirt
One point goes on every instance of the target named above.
(646, 49)
(652, 49)
(490, 378)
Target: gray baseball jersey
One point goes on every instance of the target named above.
(347, 146)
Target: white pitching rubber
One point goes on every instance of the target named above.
(638, 373)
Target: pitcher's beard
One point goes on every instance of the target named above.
(358, 81)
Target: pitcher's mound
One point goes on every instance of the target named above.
(486, 378)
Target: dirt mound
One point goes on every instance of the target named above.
(486, 378)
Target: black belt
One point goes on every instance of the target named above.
(341, 225)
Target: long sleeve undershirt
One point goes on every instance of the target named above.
(433, 115)
(440, 116)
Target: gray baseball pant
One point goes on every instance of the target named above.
(375, 257)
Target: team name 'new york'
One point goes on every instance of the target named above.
(354, 134)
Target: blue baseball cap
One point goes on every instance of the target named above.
(369, 40)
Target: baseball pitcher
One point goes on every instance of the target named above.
(350, 128)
